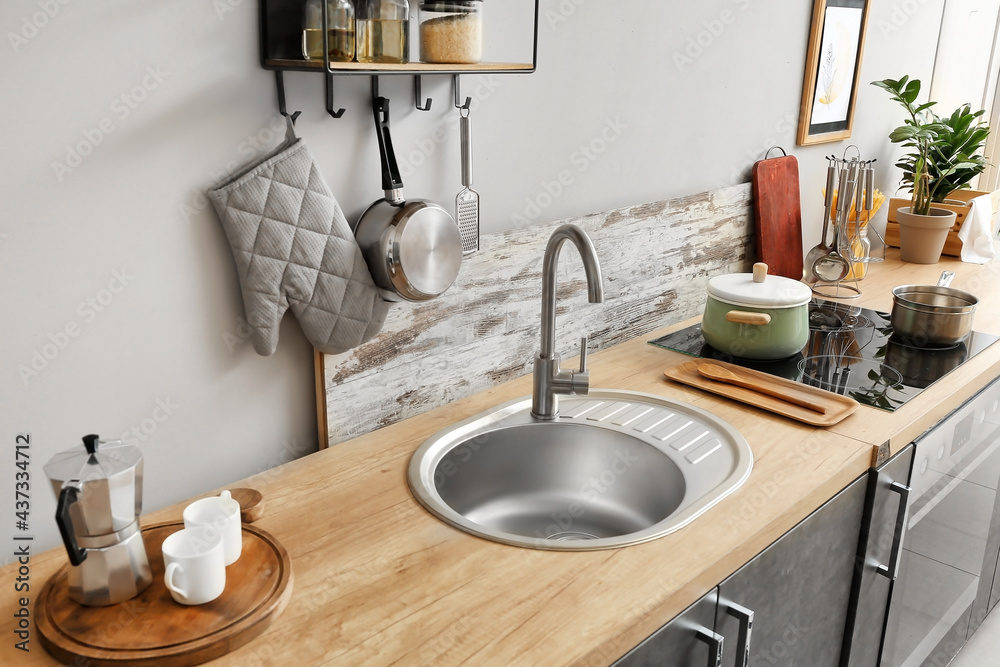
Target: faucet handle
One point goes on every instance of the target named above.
(583, 354)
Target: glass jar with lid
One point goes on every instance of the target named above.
(451, 31)
(383, 31)
(340, 30)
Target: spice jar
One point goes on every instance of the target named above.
(451, 32)
(340, 33)
(383, 31)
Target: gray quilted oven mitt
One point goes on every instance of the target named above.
(294, 249)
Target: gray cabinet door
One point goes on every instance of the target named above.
(881, 530)
(686, 641)
(798, 590)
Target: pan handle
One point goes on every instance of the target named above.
(392, 182)
(946, 278)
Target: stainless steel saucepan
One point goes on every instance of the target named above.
(932, 315)
(412, 247)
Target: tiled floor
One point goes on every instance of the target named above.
(983, 650)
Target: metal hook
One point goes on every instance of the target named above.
(329, 98)
(336, 113)
(458, 96)
(783, 153)
(418, 96)
(280, 82)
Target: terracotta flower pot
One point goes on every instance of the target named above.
(922, 237)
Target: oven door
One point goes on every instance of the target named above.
(956, 469)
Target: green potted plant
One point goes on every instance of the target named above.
(956, 152)
(943, 159)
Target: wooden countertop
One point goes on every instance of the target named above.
(379, 581)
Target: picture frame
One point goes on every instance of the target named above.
(833, 65)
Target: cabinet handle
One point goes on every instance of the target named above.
(745, 617)
(715, 642)
(892, 569)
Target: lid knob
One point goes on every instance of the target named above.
(90, 442)
(759, 272)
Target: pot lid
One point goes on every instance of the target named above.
(91, 463)
(759, 290)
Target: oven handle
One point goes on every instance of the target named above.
(891, 570)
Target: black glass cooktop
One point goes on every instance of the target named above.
(851, 351)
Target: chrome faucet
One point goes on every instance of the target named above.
(549, 379)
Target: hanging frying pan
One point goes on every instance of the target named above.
(412, 247)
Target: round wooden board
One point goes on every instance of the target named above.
(152, 629)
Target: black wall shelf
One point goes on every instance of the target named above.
(280, 25)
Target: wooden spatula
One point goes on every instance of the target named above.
(722, 374)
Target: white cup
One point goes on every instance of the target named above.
(218, 515)
(195, 572)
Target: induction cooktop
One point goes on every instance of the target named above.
(851, 351)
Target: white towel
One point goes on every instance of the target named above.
(977, 232)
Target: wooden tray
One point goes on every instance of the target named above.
(837, 407)
(152, 629)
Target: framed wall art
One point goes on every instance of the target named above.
(833, 64)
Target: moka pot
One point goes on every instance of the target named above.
(99, 491)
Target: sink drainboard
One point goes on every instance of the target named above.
(683, 432)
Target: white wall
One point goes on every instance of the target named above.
(158, 351)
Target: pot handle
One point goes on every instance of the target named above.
(743, 317)
(67, 496)
(392, 182)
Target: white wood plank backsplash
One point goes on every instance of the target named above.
(655, 258)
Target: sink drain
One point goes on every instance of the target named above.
(570, 536)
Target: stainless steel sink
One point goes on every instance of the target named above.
(572, 469)
(613, 468)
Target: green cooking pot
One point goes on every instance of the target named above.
(756, 316)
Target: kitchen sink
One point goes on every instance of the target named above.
(613, 468)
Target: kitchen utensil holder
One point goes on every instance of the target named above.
(846, 240)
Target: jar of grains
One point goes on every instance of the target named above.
(451, 31)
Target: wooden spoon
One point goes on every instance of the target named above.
(722, 374)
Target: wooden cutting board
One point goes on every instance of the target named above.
(152, 629)
(778, 215)
(837, 407)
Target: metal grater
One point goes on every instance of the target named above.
(467, 201)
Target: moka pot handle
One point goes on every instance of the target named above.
(68, 496)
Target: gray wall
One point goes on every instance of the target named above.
(121, 305)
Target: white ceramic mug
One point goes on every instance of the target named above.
(218, 515)
(196, 571)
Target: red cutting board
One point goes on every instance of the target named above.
(779, 215)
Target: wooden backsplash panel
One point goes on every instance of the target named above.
(655, 258)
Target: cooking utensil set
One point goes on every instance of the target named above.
(855, 199)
